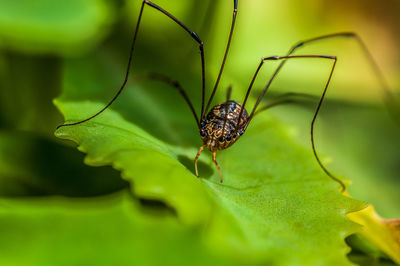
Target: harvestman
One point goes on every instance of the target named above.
(223, 125)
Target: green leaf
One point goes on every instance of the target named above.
(110, 230)
(47, 26)
(275, 206)
(382, 234)
(363, 144)
(32, 165)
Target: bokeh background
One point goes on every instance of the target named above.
(49, 47)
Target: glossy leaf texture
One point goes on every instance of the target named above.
(275, 206)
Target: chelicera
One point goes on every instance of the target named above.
(226, 122)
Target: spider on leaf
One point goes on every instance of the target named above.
(222, 125)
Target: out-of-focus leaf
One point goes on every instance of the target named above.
(46, 26)
(365, 260)
(32, 165)
(384, 234)
(360, 246)
(110, 230)
(275, 206)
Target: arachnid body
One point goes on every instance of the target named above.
(218, 128)
(225, 123)
(222, 127)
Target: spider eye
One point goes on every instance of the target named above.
(221, 139)
(202, 123)
(203, 133)
(228, 138)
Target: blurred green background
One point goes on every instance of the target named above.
(48, 47)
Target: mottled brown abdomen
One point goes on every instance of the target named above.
(212, 131)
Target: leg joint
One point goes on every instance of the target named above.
(270, 58)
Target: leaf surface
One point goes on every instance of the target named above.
(98, 231)
(275, 205)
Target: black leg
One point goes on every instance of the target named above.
(275, 58)
(362, 45)
(176, 85)
(266, 87)
(235, 10)
(389, 97)
(391, 100)
(287, 98)
(192, 33)
(228, 93)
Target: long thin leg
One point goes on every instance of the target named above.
(287, 98)
(214, 155)
(351, 35)
(362, 45)
(235, 10)
(274, 58)
(269, 82)
(197, 158)
(229, 93)
(390, 99)
(175, 84)
(192, 34)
